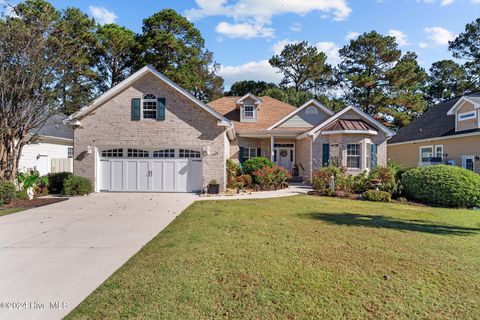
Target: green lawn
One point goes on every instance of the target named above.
(4, 212)
(301, 257)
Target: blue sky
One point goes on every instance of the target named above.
(244, 34)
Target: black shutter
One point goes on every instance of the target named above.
(326, 154)
(135, 113)
(240, 154)
(161, 109)
(259, 152)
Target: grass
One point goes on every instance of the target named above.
(4, 212)
(300, 257)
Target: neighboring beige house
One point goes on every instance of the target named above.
(449, 133)
(149, 135)
(306, 138)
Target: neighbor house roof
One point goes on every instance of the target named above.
(435, 123)
(55, 127)
(134, 77)
(270, 110)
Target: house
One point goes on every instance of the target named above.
(305, 138)
(149, 134)
(448, 133)
(51, 150)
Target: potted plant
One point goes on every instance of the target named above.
(213, 187)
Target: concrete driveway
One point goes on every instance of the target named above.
(53, 257)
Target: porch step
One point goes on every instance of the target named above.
(295, 180)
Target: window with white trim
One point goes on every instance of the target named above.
(426, 153)
(248, 111)
(466, 115)
(249, 153)
(112, 153)
(468, 162)
(439, 151)
(353, 155)
(149, 107)
(137, 153)
(311, 110)
(70, 152)
(167, 153)
(185, 153)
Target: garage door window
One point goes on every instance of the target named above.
(167, 153)
(112, 153)
(137, 153)
(184, 153)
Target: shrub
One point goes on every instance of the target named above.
(7, 192)
(386, 176)
(75, 185)
(247, 180)
(56, 181)
(360, 183)
(269, 178)
(232, 172)
(256, 163)
(22, 195)
(321, 179)
(377, 195)
(442, 185)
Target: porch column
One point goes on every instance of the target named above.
(272, 144)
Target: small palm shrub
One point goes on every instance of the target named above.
(76, 186)
(442, 185)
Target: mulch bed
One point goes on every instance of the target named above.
(35, 202)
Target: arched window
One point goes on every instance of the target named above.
(311, 110)
(149, 106)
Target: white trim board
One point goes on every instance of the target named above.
(436, 138)
(134, 77)
(249, 95)
(305, 105)
(459, 103)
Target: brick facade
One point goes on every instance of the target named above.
(186, 125)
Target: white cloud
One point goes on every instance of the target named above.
(102, 15)
(254, 70)
(475, 1)
(351, 35)
(243, 30)
(260, 12)
(331, 50)
(296, 27)
(327, 47)
(423, 45)
(399, 36)
(439, 35)
(442, 2)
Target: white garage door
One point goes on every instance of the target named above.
(136, 170)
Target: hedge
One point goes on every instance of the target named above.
(77, 186)
(7, 192)
(442, 185)
(56, 181)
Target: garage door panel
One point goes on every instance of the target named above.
(117, 175)
(169, 175)
(132, 175)
(182, 176)
(195, 175)
(158, 184)
(105, 175)
(143, 176)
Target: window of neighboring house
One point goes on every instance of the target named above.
(149, 107)
(439, 152)
(248, 112)
(353, 155)
(311, 110)
(426, 153)
(70, 152)
(468, 162)
(466, 115)
(368, 155)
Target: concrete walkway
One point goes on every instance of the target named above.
(293, 190)
(53, 257)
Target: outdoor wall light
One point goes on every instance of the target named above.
(206, 151)
(89, 150)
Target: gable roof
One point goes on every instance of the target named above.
(249, 95)
(362, 114)
(434, 123)
(134, 77)
(305, 105)
(472, 99)
(269, 111)
(55, 127)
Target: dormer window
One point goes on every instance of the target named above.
(466, 116)
(248, 112)
(311, 110)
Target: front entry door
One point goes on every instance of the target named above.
(285, 157)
